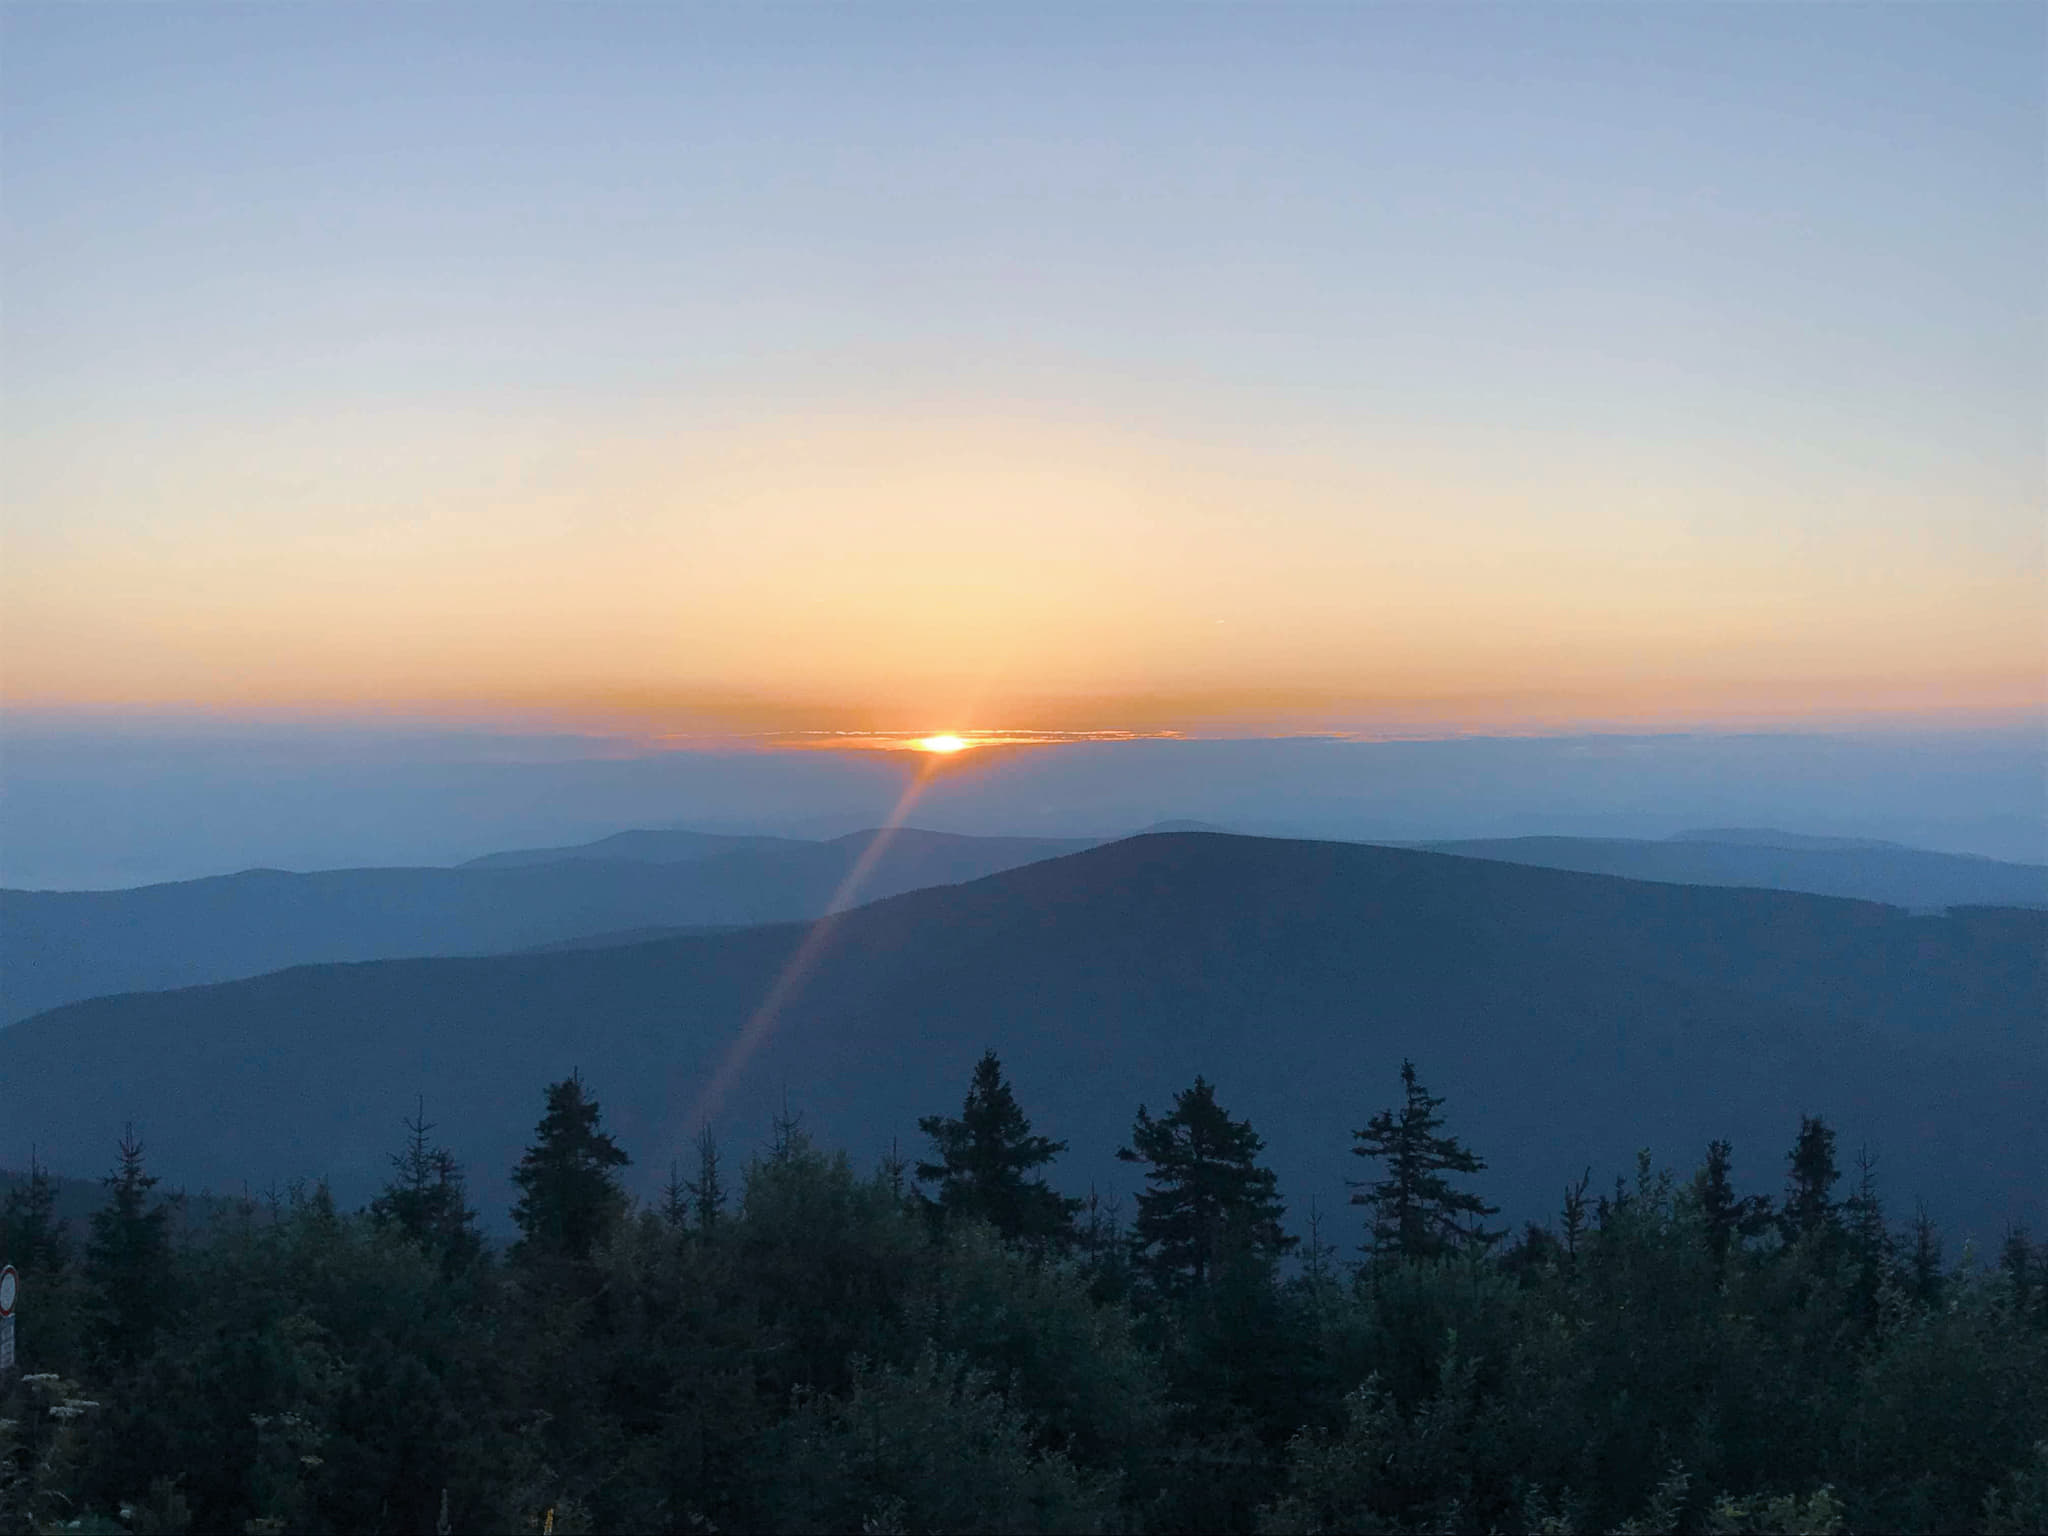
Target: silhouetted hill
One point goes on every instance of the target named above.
(59, 946)
(1774, 837)
(1569, 1018)
(639, 847)
(1866, 871)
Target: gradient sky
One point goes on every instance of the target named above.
(1190, 368)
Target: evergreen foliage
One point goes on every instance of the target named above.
(706, 1192)
(128, 1261)
(817, 1356)
(986, 1161)
(1728, 1217)
(1810, 1182)
(1417, 1213)
(32, 1236)
(1206, 1195)
(569, 1191)
(426, 1201)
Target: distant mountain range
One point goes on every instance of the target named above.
(663, 846)
(59, 946)
(1782, 861)
(1568, 1018)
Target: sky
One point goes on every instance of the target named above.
(702, 374)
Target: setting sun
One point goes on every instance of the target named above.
(941, 744)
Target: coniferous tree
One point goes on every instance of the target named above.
(1207, 1196)
(1809, 1186)
(985, 1163)
(706, 1192)
(1573, 1217)
(675, 1199)
(2016, 1260)
(32, 1237)
(426, 1200)
(1870, 1243)
(569, 1192)
(1924, 1270)
(787, 1141)
(1417, 1213)
(1726, 1215)
(128, 1260)
(895, 1170)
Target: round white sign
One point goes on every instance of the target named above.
(10, 1282)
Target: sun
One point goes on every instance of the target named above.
(940, 744)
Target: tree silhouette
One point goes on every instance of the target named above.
(569, 1195)
(1207, 1195)
(1810, 1182)
(426, 1199)
(706, 1192)
(1417, 1212)
(1727, 1216)
(128, 1260)
(985, 1163)
(32, 1237)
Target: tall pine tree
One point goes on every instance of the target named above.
(32, 1237)
(570, 1197)
(1727, 1217)
(128, 1261)
(1207, 1196)
(1810, 1182)
(1417, 1213)
(426, 1201)
(986, 1159)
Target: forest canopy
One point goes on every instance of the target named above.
(951, 1344)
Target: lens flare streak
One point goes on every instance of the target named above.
(790, 981)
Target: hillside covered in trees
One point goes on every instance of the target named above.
(952, 1342)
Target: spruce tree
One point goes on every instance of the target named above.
(569, 1193)
(426, 1200)
(1925, 1275)
(675, 1203)
(1809, 1185)
(1870, 1243)
(985, 1163)
(1207, 1196)
(128, 1261)
(1417, 1212)
(706, 1192)
(32, 1237)
(1725, 1215)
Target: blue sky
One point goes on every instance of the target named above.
(1054, 367)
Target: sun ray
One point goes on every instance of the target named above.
(790, 980)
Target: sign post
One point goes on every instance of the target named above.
(10, 1287)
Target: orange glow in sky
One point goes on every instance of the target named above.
(833, 397)
(812, 580)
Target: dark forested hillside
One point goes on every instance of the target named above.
(59, 946)
(1576, 1017)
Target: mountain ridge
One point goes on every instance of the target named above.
(1295, 975)
(62, 946)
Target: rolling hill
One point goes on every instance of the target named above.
(1568, 1018)
(60, 946)
(650, 846)
(1913, 878)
